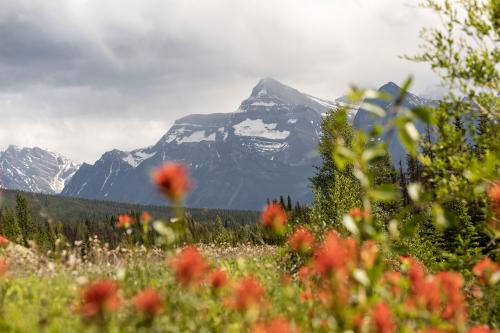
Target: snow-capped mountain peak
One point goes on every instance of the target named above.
(35, 170)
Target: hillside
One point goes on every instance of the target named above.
(73, 210)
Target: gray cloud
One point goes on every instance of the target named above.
(82, 77)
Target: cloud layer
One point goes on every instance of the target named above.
(84, 76)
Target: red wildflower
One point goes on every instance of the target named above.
(248, 293)
(331, 255)
(4, 267)
(494, 193)
(369, 253)
(306, 295)
(145, 217)
(393, 279)
(172, 180)
(274, 217)
(218, 279)
(277, 325)
(451, 286)
(98, 297)
(356, 213)
(303, 274)
(480, 329)
(416, 273)
(124, 221)
(302, 240)
(3, 241)
(382, 318)
(485, 269)
(148, 302)
(286, 279)
(190, 267)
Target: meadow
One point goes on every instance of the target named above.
(379, 250)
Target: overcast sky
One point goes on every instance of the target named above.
(81, 77)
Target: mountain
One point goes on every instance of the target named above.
(35, 170)
(237, 160)
(365, 120)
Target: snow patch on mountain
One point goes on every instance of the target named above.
(257, 128)
(35, 170)
(197, 136)
(135, 158)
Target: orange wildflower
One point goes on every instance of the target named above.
(124, 221)
(276, 325)
(218, 279)
(302, 240)
(4, 267)
(148, 302)
(274, 217)
(485, 269)
(494, 193)
(356, 213)
(145, 217)
(480, 329)
(382, 318)
(3, 241)
(331, 256)
(369, 253)
(190, 267)
(303, 274)
(393, 279)
(248, 293)
(98, 297)
(306, 295)
(172, 180)
(451, 286)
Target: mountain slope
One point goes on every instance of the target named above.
(365, 120)
(35, 170)
(237, 160)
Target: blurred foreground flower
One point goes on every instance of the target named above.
(276, 325)
(4, 267)
(190, 267)
(98, 297)
(218, 279)
(124, 221)
(274, 217)
(3, 241)
(487, 271)
(382, 318)
(302, 240)
(172, 180)
(148, 302)
(145, 217)
(247, 294)
(332, 256)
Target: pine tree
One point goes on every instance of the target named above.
(282, 202)
(9, 225)
(289, 204)
(26, 223)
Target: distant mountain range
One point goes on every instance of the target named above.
(35, 170)
(237, 160)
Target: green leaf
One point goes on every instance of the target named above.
(350, 225)
(409, 137)
(373, 153)
(414, 191)
(375, 109)
(424, 113)
(342, 156)
(385, 192)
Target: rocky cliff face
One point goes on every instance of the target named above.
(237, 160)
(35, 170)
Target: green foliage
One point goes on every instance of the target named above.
(337, 191)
